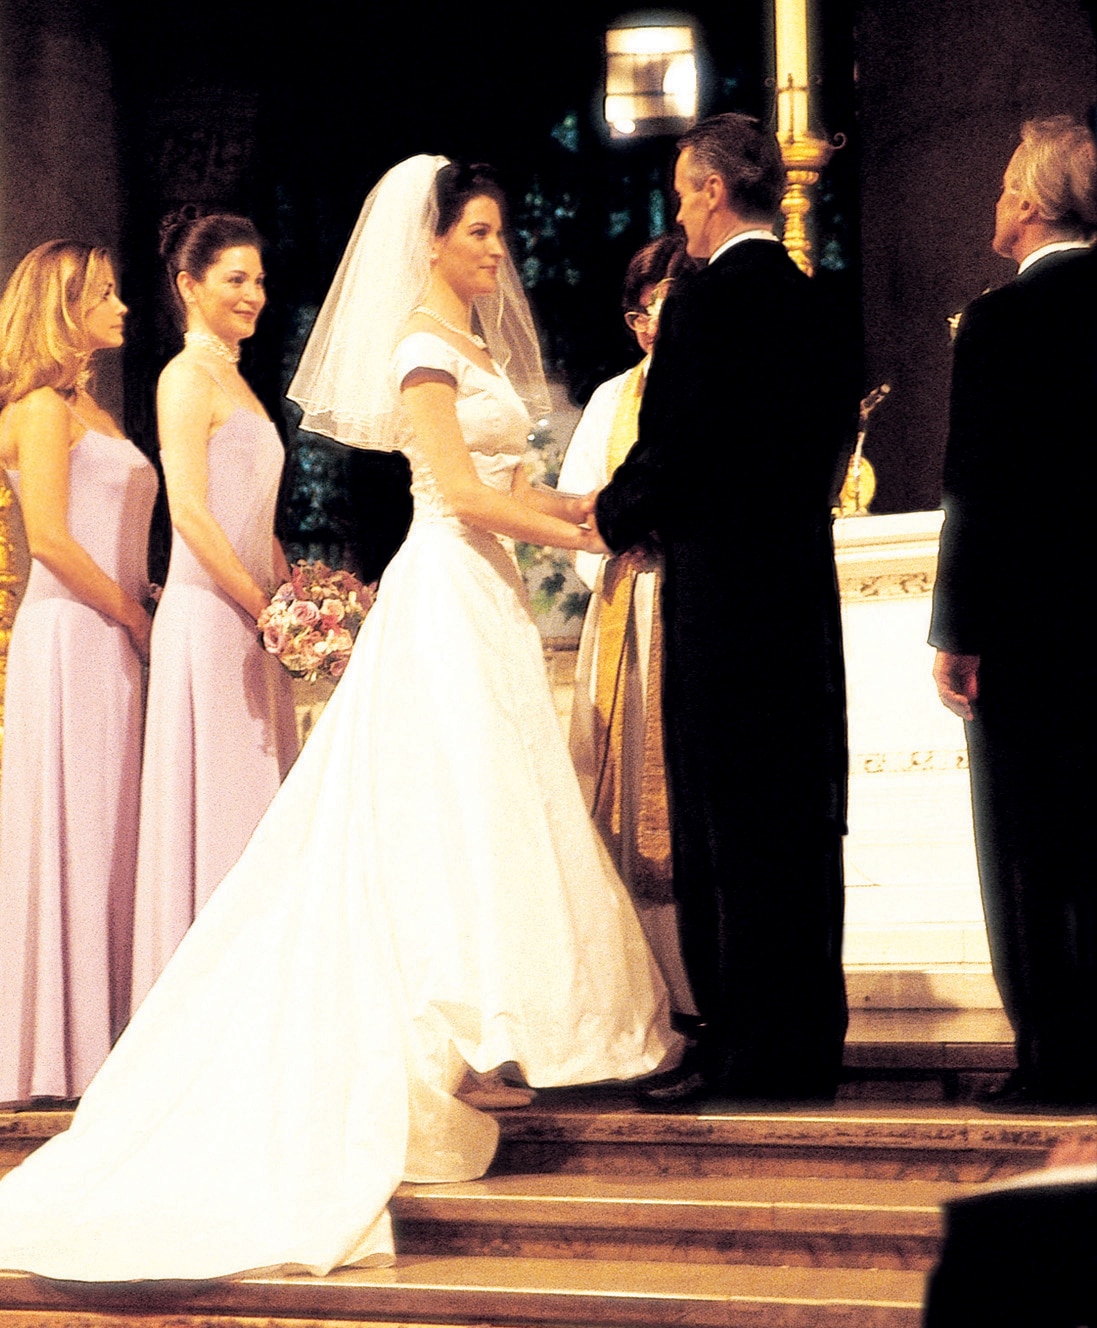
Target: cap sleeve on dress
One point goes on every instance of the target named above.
(423, 350)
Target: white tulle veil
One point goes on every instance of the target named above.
(344, 383)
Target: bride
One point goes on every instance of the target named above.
(426, 894)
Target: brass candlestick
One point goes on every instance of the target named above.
(859, 487)
(805, 157)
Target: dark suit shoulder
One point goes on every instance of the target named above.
(1063, 281)
(755, 261)
(1069, 269)
(754, 285)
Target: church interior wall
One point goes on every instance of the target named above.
(942, 91)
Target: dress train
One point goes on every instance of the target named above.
(426, 891)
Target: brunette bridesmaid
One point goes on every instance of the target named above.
(220, 731)
(73, 708)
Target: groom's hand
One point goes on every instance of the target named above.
(586, 507)
(597, 544)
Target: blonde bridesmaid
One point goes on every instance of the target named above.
(73, 708)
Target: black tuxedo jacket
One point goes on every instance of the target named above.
(1019, 467)
(742, 431)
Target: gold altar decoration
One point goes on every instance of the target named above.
(804, 152)
(859, 487)
(804, 161)
(12, 574)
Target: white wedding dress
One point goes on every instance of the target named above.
(426, 891)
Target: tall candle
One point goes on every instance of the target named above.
(792, 65)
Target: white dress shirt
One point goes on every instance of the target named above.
(759, 233)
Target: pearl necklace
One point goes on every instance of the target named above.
(478, 342)
(214, 344)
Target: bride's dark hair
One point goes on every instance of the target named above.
(457, 184)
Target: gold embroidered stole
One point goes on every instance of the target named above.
(649, 861)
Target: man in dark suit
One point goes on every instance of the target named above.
(1011, 616)
(740, 437)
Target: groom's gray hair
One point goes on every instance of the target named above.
(745, 156)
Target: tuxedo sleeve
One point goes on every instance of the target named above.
(648, 489)
(986, 367)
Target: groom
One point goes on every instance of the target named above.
(740, 438)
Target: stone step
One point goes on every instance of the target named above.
(895, 987)
(94, 1319)
(839, 1223)
(924, 1055)
(599, 1131)
(437, 1289)
(21, 1132)
(583, 1132)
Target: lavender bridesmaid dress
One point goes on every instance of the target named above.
(220, 732)
(69, 790)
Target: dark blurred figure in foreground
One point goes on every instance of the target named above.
(1022, 1254)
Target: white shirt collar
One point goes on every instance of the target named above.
(1057, 247)
(759, 233)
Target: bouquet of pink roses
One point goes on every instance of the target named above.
(312, 620)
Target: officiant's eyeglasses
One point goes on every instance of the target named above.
(639, 320)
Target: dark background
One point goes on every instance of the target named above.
(112, 114)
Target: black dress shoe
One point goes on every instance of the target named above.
(690, 1081)
(1023, 1096)
(1017, 1094)
(676, 1088)
(1015, 1082)
(691, 1026)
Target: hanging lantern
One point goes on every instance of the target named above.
(651, 76)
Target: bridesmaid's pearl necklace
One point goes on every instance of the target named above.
(214, 344)
(478, 342)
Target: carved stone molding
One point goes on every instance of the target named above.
(886, 585)
(887, 557)
(907, 763)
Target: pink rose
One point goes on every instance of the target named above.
(275, 637)
(305, 613)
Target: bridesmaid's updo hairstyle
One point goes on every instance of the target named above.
(42, 338)
(192, 243)
(456, 185)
